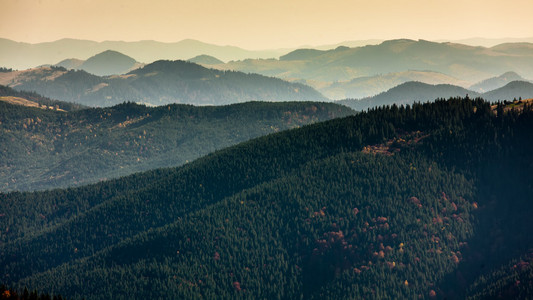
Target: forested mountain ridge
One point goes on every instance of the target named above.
(408, 93)
(396, 202)
(42, 149)
(158, 83)
(412, 91)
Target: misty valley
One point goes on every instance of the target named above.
(399, 169)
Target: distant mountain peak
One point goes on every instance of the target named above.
(205, 60)
(109, 62)
(510, 74)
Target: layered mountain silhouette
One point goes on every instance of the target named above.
(341, 72)
(424, 193)
(467, 63)
(161, 82)
(23, 55)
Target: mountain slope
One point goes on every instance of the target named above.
(158, 83)
(296, 270)
(388, 203)
(46, 149)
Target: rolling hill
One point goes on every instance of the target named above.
(45, 148)
(108, 63)
(102, 64)
(392, 203)
(158, 83)
(205, 60)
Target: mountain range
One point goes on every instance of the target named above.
(342, 64)
(44, 147)
(166, 82)
(158, 83)
(20, 56)
(364, 70)
(426, 201)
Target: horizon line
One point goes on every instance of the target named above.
(438, 40)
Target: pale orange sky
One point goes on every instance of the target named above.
(263, 24)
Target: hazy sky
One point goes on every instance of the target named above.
(260, 24)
